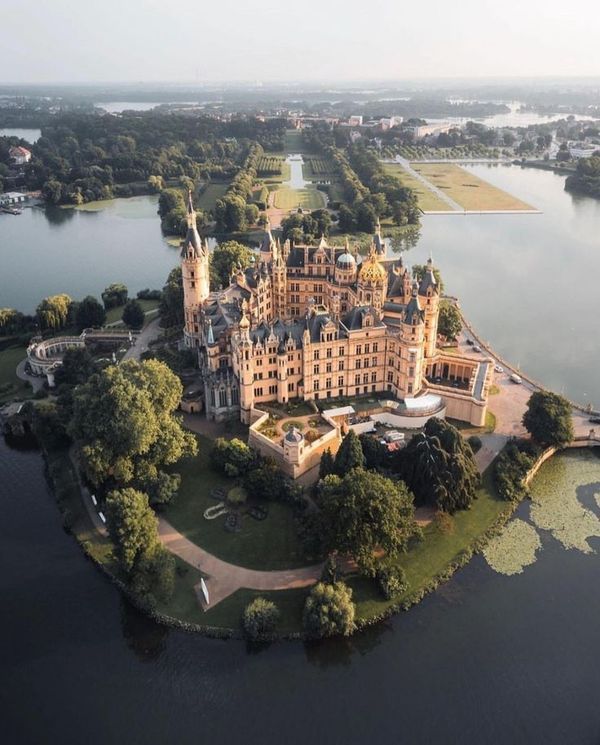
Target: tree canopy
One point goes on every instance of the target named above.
(329, 610)
(225, 258)
(90, 313)
(350, 454)
(548, 419)
(133, 314)
(123, 420)
(449, 322)
(438, 466)
(363, 512)
(132, 526)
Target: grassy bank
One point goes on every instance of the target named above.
(11, 387)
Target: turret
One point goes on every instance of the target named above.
(430, 300)
(246, 368)
(413, 345)
(195, 277)
(268, 247)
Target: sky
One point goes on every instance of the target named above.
(198, 41)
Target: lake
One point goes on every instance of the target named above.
(31, 135)
(80, 252)
(486, 660)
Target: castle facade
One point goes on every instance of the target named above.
(318, 322)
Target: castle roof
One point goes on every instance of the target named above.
(372, 269)
(346, 260)
(428, 279)
(294, 435)
(192, 237)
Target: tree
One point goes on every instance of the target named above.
(438, 466)
(153, 576)
(132, 526)
(376, 453)
(392, 580)
(260, 618)
(115, 295)
(363, 512)
(350, 455)
(171, 302)
(155, 183)
(53, 311)
(327, 465)
(263, 480)
(133, 314)
(450, 321)
(123, 421)
(232, 457)
(77, 366)
(90, 314)
(329, 610)
(226, 257)
(548, 419)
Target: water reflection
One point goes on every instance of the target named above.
(146, 638)
(338, 652)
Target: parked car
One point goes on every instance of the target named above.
(595, 419)
(470, 342)
(476, 348)
(516, 378)
(498, 369)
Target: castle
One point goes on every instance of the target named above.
(317, 322)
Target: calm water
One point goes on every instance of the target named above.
(43, 252)
(529, 283)
(488, 659)
(31, 135)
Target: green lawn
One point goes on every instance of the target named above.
(11, 388)
(115, 314)
(214, 191)
(308, 199)
(436, 552)
(268, 544)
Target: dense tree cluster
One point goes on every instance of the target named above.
(439, 468)
(122, 419)
(171, 301)
(449, 320)
(232, 212)
(83, 157)
(300, 228)
(226, 257)
(511, 467)
(548, 419)
(364, 511)
(586, 179)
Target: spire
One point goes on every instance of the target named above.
(192, 243)
(210, 337)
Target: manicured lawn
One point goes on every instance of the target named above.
(115, 314)
(214, 191)
(10, 386)
(427, 559)
(428, 201)
(260, 544)
(294, 142)
(288, 199)
(468, 190)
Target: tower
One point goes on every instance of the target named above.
(195, 278)
(245, 369)
(372, 282)
(430, 301)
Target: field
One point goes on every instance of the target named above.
(289, 199)
(428, 201)
(468, 190)
(207, 200)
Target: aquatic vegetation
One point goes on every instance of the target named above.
(514, 549)
(555, 499)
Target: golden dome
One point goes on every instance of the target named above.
(371, 270)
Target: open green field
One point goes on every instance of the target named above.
(11, 388)
(289, 199)
(468, 190)
(213, 191)
(261, 544)
(428, 201)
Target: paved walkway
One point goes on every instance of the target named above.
(142, 342)
(36, 381)
(223, 579)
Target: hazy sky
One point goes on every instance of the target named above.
(212, 40)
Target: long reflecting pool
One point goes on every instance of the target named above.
(488, 659)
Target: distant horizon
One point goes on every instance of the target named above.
(68, 42)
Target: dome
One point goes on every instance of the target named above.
(244, 322)
(372, 270)
(293, 435)
(346, 261)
